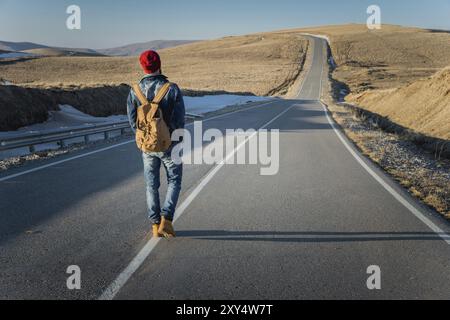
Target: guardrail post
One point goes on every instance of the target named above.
(32, 149)
(62, 143)
(86, 139)
(122, 132)
(106, 135)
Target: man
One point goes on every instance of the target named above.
(173, 111)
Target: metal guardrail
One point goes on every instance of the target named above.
(30, 140)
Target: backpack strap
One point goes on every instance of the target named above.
(137, 90)
(162, 93)
(156, 101)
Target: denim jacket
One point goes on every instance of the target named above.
(172, 105)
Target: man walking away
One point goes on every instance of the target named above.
(155, 110)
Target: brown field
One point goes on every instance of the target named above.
(386, 58)
(254, 64)
(259, 64)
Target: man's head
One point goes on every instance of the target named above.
(150, 62)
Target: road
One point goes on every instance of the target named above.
(309, 232)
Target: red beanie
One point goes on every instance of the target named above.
(150, 61)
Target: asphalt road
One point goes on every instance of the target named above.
(309, 232)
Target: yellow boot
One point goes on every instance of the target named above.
(155, 231)
(166, 229)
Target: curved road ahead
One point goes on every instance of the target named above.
(309, 232)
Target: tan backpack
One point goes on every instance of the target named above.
(152, 133)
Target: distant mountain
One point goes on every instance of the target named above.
(30, 46)
(129, 50)
(19, 46)
(61, 52)
(137, 48)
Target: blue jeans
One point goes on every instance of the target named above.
(152, 170)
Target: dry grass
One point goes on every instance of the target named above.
(423, 105)
(386, 58)
(425, 177)
(256, 63)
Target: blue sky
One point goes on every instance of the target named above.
(108, 23)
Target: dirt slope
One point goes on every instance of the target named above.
(423, 105)
(24, 106)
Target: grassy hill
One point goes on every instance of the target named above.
(386, 58)
(260, 64)
(19, 46)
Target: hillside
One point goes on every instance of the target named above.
(383, 70)
(19, 46)
(137, 48)
(258, 64)
(423, 105)
(386, 58)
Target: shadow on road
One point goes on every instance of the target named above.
(56, 191)
(266, 236)
(307, 115)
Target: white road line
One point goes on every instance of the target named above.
(62, 161)
(237, 111)
(307, 74)
(134, 265)
(421, 216)
(327, 237)
(2, 179)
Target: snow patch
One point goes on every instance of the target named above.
(68, 117)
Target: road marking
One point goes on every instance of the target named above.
(411, 208)
(307, 75)
(2, 179)
(62, 161)
(237, 111)
(327, 237)
(421, 216)
(134, 265)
